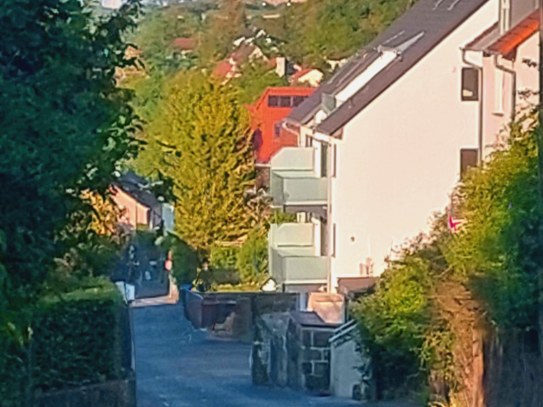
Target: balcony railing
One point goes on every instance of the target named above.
(293, 256)
(294, 180)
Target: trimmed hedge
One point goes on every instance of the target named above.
(78, 338)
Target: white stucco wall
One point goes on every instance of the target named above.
(495, 123)
(400, 157)
(345, 363)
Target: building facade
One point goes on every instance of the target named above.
(382, 144)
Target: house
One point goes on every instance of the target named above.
(184, 45)
(307, 76)
(268, 134)
(380, 147)
(140, 207)
(230, 67)
(501, 74)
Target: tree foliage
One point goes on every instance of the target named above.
(315, 31)
(65, 124)
(256, 77)
(203, 139)
(487, 271)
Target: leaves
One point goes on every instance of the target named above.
(202, 143)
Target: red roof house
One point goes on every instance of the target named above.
(184, 44)
(266, 116)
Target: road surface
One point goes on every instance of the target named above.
(177, 366)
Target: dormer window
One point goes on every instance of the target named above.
(329, 103)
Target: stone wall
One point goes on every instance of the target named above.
(291, 349)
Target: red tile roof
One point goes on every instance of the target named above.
(296, 76)
(185, 44)
(223, 69)
(517, 35)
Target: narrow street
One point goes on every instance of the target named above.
(178, 366)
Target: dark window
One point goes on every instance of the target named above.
(308, 141)
(297, 100)
(334, 236)
(334, 171)
(273, 101)
(468, 159)
(324, 238)
(277, 129)
(470, 84)
(285, 101)
(324, 159)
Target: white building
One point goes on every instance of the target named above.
(384, 141)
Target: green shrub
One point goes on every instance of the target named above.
(78, 337)
(252, 260)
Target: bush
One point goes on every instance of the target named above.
(79, 338)
(252, 259)
(184, 257)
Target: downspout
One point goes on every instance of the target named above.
(480, 138)
(513, 74)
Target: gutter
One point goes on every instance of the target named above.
(480, 136)
(513, 74)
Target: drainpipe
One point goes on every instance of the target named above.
(480, 139)
(513, 74)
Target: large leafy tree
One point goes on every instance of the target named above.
(64, 126)
(202, 140)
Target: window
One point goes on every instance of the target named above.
(277, 129)
(334, 158)
(505, 16)
(328, 103)
(470, 84)
(324, 159)
(285, 101)
(297, 100)
(308, 141)
(273, 101)
(468, 159)
(334, 236)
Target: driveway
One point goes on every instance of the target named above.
(178, 366)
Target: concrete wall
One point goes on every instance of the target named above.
(400, 157)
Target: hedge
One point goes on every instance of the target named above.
(78, 338)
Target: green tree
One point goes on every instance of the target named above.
(255, 77)
(202, 133)
(65, 124)
(157, 31)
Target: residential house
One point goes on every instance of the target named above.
(230, 67)
(140, 207)
(266, 117)
(306, 76)
(501, 74)
(380, 147)
(184, 45)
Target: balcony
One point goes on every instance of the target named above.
(295, 180)
(293, 257)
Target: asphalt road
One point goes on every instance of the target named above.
(177, 366)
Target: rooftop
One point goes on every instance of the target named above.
(411, 37)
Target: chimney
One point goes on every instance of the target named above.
(281, 66)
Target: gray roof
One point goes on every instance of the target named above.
(138, 188)
(414, 35)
